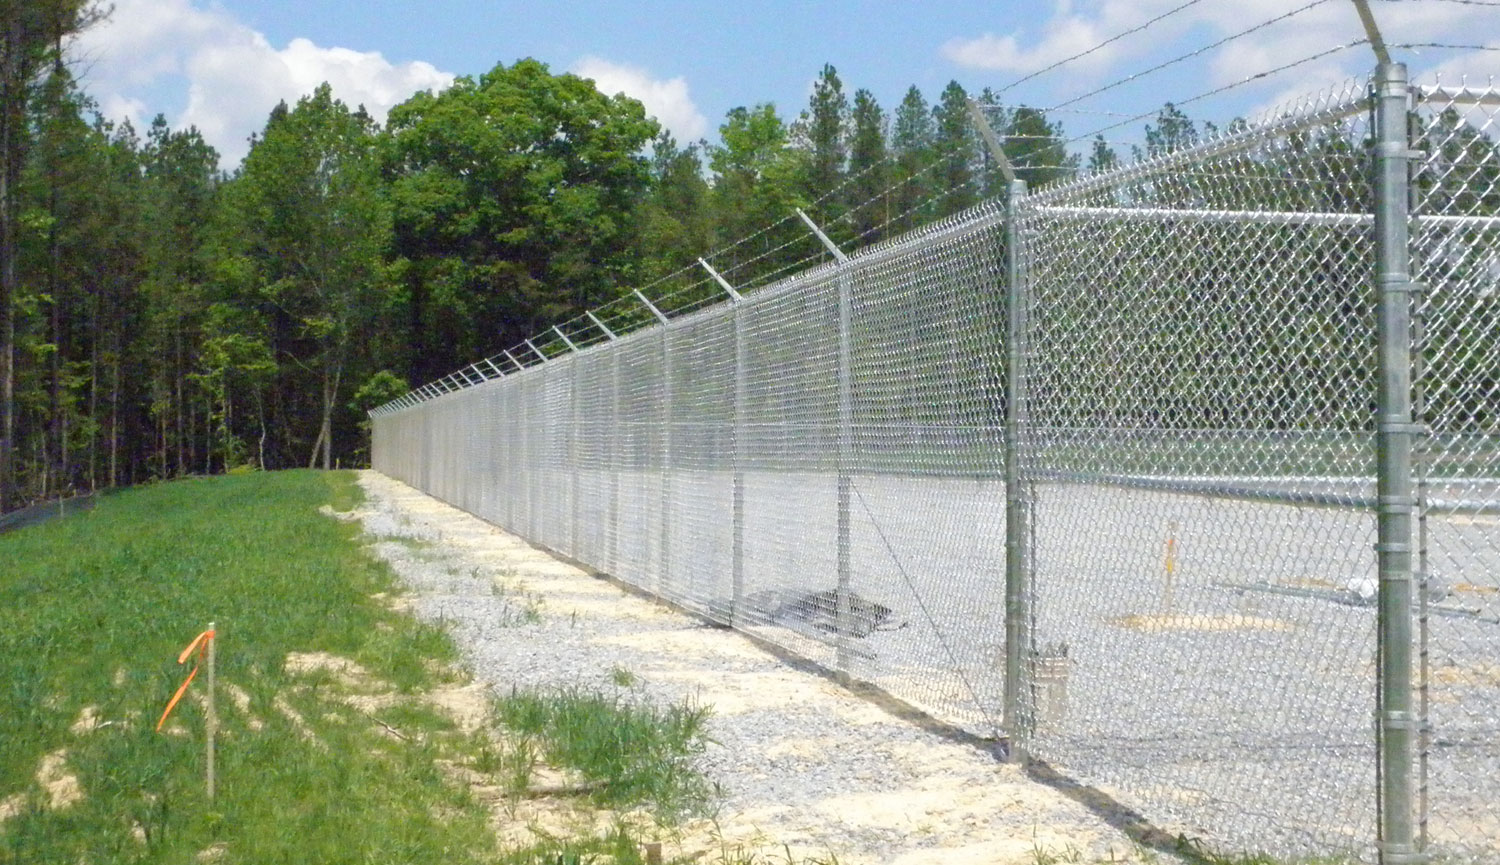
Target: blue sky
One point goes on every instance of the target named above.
(220, 66)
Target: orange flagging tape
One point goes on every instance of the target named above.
(200, 643)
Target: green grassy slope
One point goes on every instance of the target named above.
(93, 611)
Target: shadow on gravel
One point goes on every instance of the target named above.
(1120, 816)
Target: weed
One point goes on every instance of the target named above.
(517, 762)
(740, 856)
(621, 676)
(618, 846)
(488, 757)
(519, 607)
(638, 753)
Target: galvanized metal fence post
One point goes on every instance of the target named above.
(664, 569)
(845, 374)
(737, 444)
(572, 452)
(528, 459)
(737, 584)
(1394, 488)
(616, 461)
(846, 458)
(1019, 717)
(612, 526)
(664, 564)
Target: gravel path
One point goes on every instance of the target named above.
(802, 762)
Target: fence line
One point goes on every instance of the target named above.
(1183, 477)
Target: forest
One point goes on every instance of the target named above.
(161, 316)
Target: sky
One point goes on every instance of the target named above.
(221, 65)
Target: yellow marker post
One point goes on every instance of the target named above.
(1170, 565)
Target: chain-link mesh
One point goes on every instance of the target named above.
(1456, 263)
(1200, 447)
(821, 462)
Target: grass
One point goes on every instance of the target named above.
(330, 764)
(93, 611)
(633, 752)
(621, 676)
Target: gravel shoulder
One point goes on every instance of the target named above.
(807, 768)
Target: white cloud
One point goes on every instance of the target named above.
(1476, 68)
(666, 100)
(1065, 38)
(231, 74)
(1077, 27)
(1067, 33)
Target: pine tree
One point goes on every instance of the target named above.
(821, 131)
(31, 39)
(1035, 147)
(1173, 131)
(955, 148)
(999, 118)
(912, 136)
(1102, 157)
(869, 199)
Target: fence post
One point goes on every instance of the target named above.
(539, 475)
(1393, 447)
(737, 584)
(1019, 720)
(664, 572)
(665, 537)
(845, 613)
(527, 461)
(572, 451)
(612, 524)
(737, 445)
(616, 461)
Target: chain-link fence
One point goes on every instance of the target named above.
(1455, 243)
(1138, 472)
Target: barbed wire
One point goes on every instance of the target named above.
(1086, 52)
(1191, 54)
(1227, 87)
(1447, 45)
(627, 312)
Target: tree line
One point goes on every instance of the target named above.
(160, 316)
(163, 317)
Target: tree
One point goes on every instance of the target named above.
(317, 226)
(676, 226)
(181, 188)
(1102, 157)
(820, 131)
(955, 149)
(515, 198)
(32, 34)
(112, 272)
(869, 171)
(756, 185)
(912, 136)
(1035, 147)
(1173, 131)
